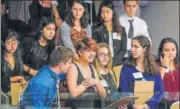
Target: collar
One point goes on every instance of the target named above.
(53, 74)
(129, 18)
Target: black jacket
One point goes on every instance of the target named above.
(33, 54)
(100, 34)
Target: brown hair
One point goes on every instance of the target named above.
(60, 54)
(138, 1)
(86, 43)
(149, 61)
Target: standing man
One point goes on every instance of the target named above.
(133, 25)
(41, 90)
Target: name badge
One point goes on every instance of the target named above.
(104, 83)
(138, 75)
(116, 36)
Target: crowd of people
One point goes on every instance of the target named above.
(96, 63)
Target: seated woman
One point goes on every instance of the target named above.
(11, 62)
(169, 67)
(75, 25)
(103, 65)
(108, 29)
(35, 52)
(141, 62)
(82, 81)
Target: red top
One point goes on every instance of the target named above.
(171, 83)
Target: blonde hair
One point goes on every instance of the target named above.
(108, 66)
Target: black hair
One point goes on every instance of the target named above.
(168, 40)
(7, 34)
(149, 62)
(84, 19)
(43, 22)
(115, 20)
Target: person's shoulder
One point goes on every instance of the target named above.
(73, 66)
(140, 20)
(126, 66)
(122, 16)
(65, 25)
(43, 74)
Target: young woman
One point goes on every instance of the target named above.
(75, 25)
(169, 67)
(35, 52)
(141, 63)
(107, 29)
(82, 80)
(11, 62)
(103, 65)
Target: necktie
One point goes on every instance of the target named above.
(130, 34)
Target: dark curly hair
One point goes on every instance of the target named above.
(149, 62)
(84, 19)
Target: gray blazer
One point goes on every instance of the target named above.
(65, 32)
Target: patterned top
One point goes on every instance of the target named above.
(77, 35)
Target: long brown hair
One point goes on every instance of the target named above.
(149, 61)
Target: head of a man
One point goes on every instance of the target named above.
(130, 7)
(61, 59)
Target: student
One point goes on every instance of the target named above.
(169, 68)
(141, 61)
(103, 65)
(133, 25)
(82, 80)
(75, 25)
(42, 89)
(36, 51)
(11, 62)
(108, 29)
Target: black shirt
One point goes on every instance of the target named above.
(7, 73)
(34, 55)
(110, 89)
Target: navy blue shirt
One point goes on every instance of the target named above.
(41, 90)
(127, 84)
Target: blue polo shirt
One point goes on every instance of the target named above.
(42, 89)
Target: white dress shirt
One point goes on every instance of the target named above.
(139, 27)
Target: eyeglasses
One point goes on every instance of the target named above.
(103, 54)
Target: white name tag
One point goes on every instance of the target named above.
(138, 75)
(116, 36)
(104, 83)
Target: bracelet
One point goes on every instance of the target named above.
(164, 67)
